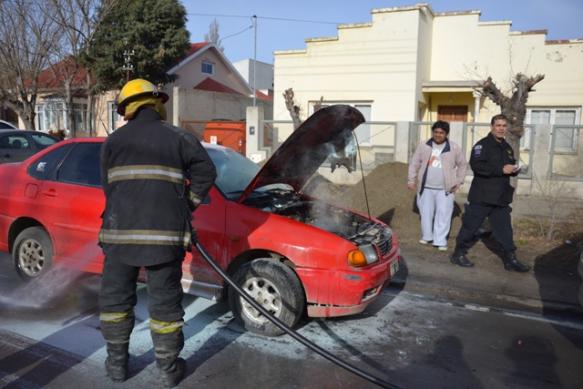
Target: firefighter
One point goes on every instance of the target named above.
(490, 195)
(154, 176)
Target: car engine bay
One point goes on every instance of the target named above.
(342, 222)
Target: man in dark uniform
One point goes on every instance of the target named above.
(145, 167)
(493, 163)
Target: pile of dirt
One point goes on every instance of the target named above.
(388, 197)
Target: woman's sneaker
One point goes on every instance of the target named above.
(442, 248)
(423, 241)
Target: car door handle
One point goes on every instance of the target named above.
(50, 193)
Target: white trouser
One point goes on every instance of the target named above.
(436, 208)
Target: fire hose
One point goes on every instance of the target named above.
(312, 346)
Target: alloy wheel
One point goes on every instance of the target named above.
(266, 294)
(31, 257)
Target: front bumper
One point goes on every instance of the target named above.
(347, 292)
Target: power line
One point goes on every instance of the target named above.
(220, 15)
(266, 18)
(237, 33)
(297, 20)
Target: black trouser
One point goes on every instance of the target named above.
(472, 220)
(118, 298)
(118, 289)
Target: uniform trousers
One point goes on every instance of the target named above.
(118, 289)
(472, 220)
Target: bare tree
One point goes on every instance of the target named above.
(319, 104)
(514, 105)
(293, 109)
(213, 35)
(27, 36)
(78, 20)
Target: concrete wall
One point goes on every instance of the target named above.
(200, 106)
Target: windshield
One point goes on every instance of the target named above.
(234, 172)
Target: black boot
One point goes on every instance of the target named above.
(460, 259)
(116, 363)
(172, 371)
(511, 263)
(167, 347)
(116, 328)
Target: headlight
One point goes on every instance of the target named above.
(365, 255)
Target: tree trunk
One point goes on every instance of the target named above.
(293, 109)
(513, 107)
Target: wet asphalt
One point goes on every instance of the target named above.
(49, 338)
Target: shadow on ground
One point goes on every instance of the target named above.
(559, 283)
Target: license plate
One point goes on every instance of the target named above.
(394, 268)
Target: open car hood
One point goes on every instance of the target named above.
(326, 132)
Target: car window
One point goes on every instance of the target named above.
(5, 125)
(45, 166)
(234, 172)
(42, 141)
(82, 166)
(14, 142)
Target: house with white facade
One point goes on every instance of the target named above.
(411, 64)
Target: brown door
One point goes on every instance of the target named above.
(452, 113)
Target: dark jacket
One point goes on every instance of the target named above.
(490, 185)
(145, 167)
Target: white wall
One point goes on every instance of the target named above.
(372, 62)
(263, 71)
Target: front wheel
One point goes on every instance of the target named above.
(32, 253)
(273, 285)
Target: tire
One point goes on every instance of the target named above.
(32, 253)
(280, 289)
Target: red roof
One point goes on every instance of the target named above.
(194, 47)
(53, 76)
(208, 84)
(211, 85)
(262, 96)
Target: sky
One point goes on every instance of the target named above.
(562, 18)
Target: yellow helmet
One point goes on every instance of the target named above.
(137, 88)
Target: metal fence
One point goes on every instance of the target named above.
(378, 145)
(566, 153)
(377, 140)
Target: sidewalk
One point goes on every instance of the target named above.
(551, 287)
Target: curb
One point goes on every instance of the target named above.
(463, 296)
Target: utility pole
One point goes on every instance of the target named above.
(128, 66)
(254, 59)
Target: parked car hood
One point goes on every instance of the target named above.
(325, 132)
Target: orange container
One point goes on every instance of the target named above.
(230, 134)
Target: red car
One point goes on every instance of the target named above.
(293, 253)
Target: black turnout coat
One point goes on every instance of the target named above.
(154, 175)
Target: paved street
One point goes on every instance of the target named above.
(415, 341)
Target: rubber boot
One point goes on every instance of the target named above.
(172, 371)
(511, 263)
(460, 259)
(116, 328)
(167, 347)
(116, 363)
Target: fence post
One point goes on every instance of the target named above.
(176, 106)
(402, 142)
(254, 133)
(543, 150)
